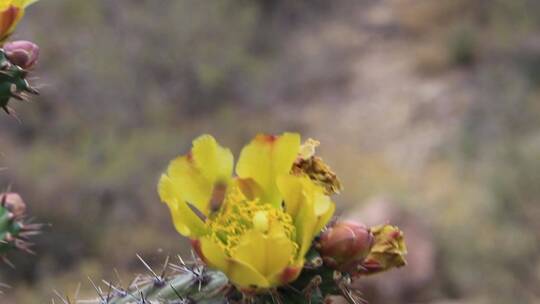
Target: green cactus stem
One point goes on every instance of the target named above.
(183, 283)
(13, 83)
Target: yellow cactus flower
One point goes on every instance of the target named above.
(256, 227)
(11, 12)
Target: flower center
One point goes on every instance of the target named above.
(239, 215)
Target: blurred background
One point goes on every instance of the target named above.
(429, 111)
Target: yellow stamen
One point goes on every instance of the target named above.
(240, 215)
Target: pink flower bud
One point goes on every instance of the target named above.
(345, 245)
(22, 53)
(14, 203)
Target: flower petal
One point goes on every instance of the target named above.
(305, 223)
(245, 276)
(9, 17)
(258, 250)
(249, 188)
(185, 220)
(214, 161)
(312, 218)
(290, 188)
(324, 218)
(188, 181)
(240, 273)
(309, 207)
(213, 254)
(197, 175)
(24, 3)
(266, 158)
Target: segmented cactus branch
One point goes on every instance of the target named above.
(182, 283)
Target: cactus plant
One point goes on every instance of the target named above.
(191, 283)
(264, 229)
(13, 82)
(273, 247)
(14, 231)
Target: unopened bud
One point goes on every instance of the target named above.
(388, 250)
(22, 53)
(14, 203)
(345, 245)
